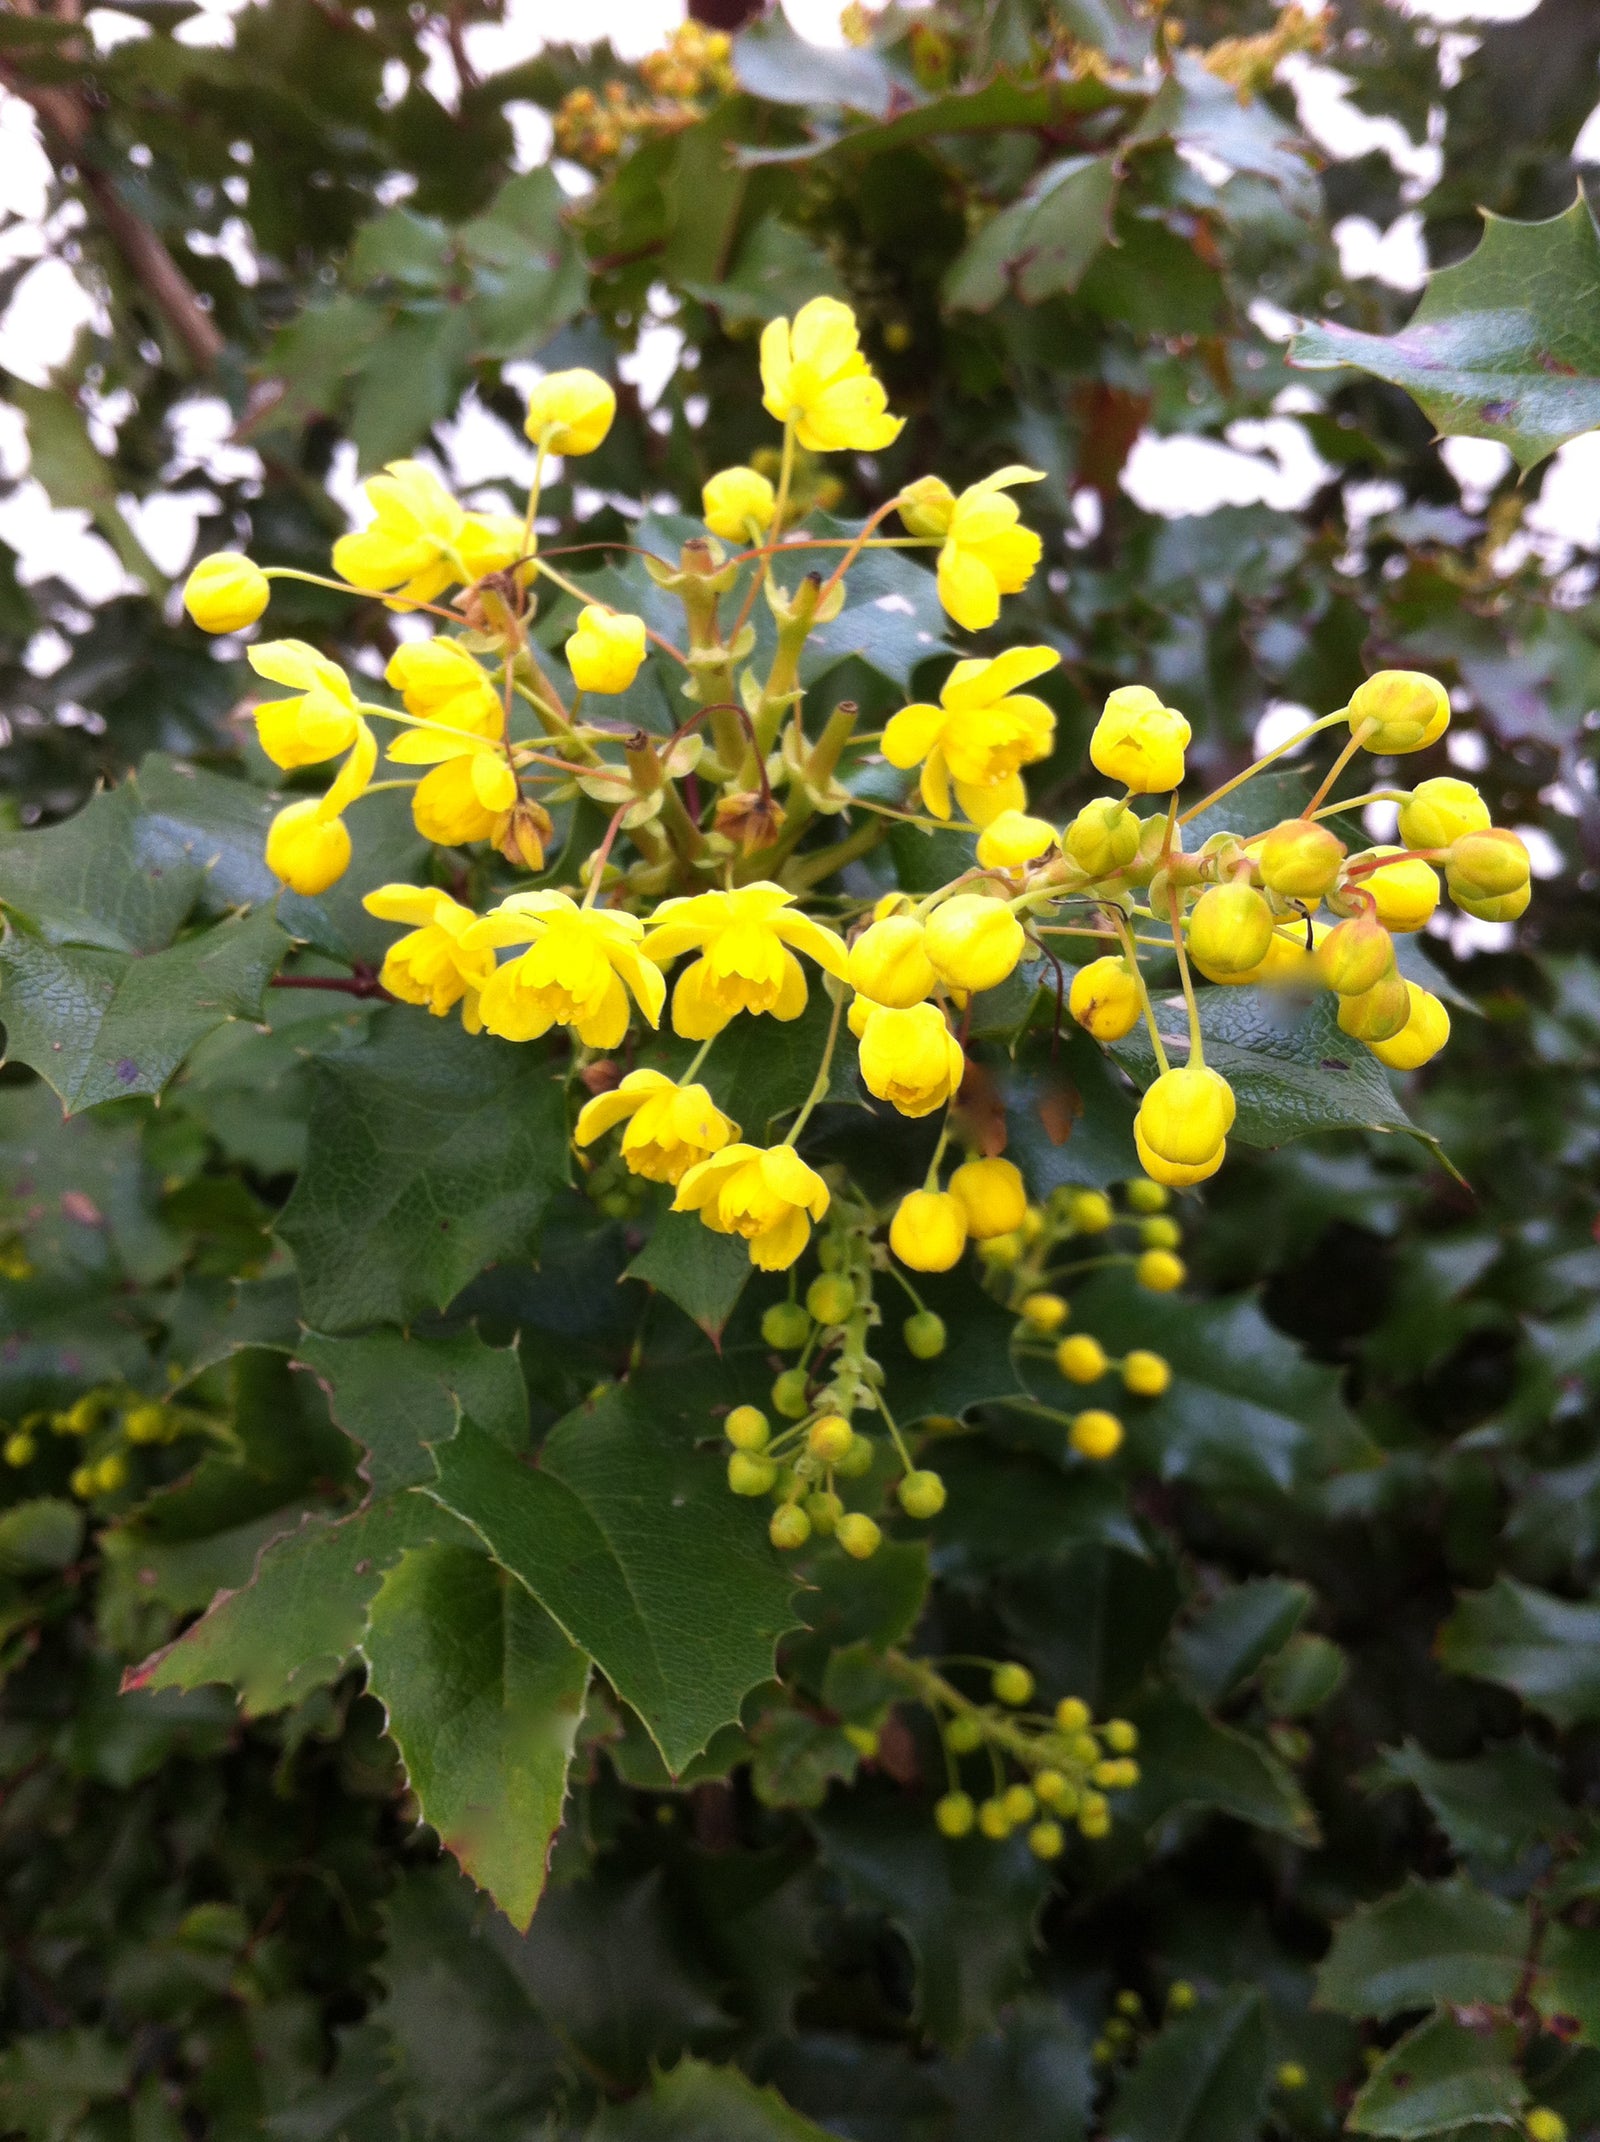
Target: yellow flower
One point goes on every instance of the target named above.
(440, 682)
(978, 736)
(929, 1230)
(1300, 859)
(1438, 812)
(1230, 929)
(1491, 865)
(1424, 1034)
(570, 412)
(319, 721)
(1181, 1130)
(421, 540)
(993, 1196)
(889, 963)
(308, 845)
(605, 651)
(767, 1195)
(910, 1058)
(1407, 710)
(1104, 998)
(745, 964)
(226, 592)
(671, 1128)
(465, 798)
(1012, 839)
(579, 968)
(1406, 890)
(1104, 836)
(1139, 742)
(974, 942)
(431, 965)
(736, 503)
(987, 553)
(813, 374)
(1355, 956)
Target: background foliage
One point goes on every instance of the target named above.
(1344, 1582)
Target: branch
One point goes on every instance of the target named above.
(362, 982)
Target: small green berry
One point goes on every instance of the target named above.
(1120, 1736)
(1291, 2076)
(993, 1819)
(955, 1813)
(1072, 1714)
(829, 1439)
(1160, 1233)
(1181, 1997)
(789, 1394)
(1128, 2003)
(858, 1536)
(824, 1511)
(19, 1449)
(1145, 1196)
(924, 1335)
(921, 1494)
(1012, 1683)
(1020, 1804)
(1047, 1840)
(831, 1298)
(857, 1460)
(746, 1428)
(749, 1474)
(789, 1527)
(786, 1326)
(962, 1735)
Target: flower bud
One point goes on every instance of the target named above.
(973, 942)
(1499, 907)
(954, 1814)
(1438, 812)
(1186, 1115)
(1230, 929)
(521, 834)
(927, 506)
(829, 1438)
(1103, 837)
(859, 1536)
(1104, 998)
(889, 963)
(1012, 839)
(1159, 1272)
(751, 1475)
(929, 1230)
(1355, 956)
(1146, 1374)
(735, 500)
(1096, 1434)
(570, 412)
(1139, 742)
(1081, 1359)
(1407, 709)
(1486, 866)
(309, 853)
(605, 651)
(788, 1527)
(1406, 891)
(1378, 1013)
(226, 592)
(1044, 1313)
(787, 1326)
(910, 1058)
(922, 1495)
(1424, 1034)
(1300, 859)
(830, 1298)
(1012, 1684)
(925, 1335)
(992, 1195)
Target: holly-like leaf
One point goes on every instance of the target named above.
(1505, 344)
(99, 878)
(1043, 242)
(102, 1025)
(695, 2101)
(630, 1539)
(1187, 1760)
(1440, 2077)
(1201, 2079)
(1069, 1116)
(892, 618)
(774, 62)
(431, 1153)
(1567, 1990)
(703, 1272)
(1491, 1806)
(1237, 1631)
(1547, 1649)
(1428, 1944)
(398, 1396)
(483, 1695)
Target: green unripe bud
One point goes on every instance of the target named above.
(1103, 837)
(824, 1511)
(831, 1298)
(148, 1423)
(830, 1253)
(993, 1819)
(786, 1326)
(1291, 2076)
(1401, 710)
(1090, 1211)
(19, 1449)
(1355, 956)
(1081, 1359)
(1072, 1715)
(1120, 1735)
(1300, 859)
(110, 1473)
(859, 1536)
(1044, 1313)
(748, 1475)
(1146, 1196)
(789, 1527)
(1160, 1233)
(921, 1494)
(955, 1814)
(789, 1393)
(857, 1460)
(962, 1735)
(1181, 1997)
(1129, 2004)
(1021, 1806)
(1377, 1014)
(1437, 813)
(924, 1334)
(1499, 907)
(746, 1428)
(1047, 1840)
(1487, 866)
(1230, 929)
(829, 1438)
(1012, 1683)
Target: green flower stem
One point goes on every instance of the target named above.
(343, 587)
(534, 489)
(937, 1693)
(1119, 924)
(1339, 765)
(819, 1084)
(1197, 1047)
(800, 877)
(1289, 743)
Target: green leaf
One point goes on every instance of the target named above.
(483, 1695)
(1504, 345)
(772, 61)
(892, 618)
(1440, 2077)
(1069, 1116)
(1291, 1069)
(796, 1757)
(99, 878)
(1547, 1649)
(41, 1533)
(431, 1153)
(1043, 242)
(776, 271)
(763, 1069)
(633, 1543)
(398, 1395)
(703, 1272)
(1201, 2079)
(1567, 1990)
(1491, 1806)
(102, 1025)
(694, 2102)
(1187, 1760)
(1428, 1944)
(410, 381)
(1199, 110)
(1236, 1633)
(49, 2079)
(76, 474)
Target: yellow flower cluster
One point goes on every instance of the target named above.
(1062, 1766)
(695, 62)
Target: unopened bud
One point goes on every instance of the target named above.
(1487, 865)
(927, 506)
(1424, 1034)
(520, 833)
(1440, 811)
(1406, 890)
(1355, 956)
(1230, 930)
(751, 818)
(1301, 859)
(1103, 837)
(1376, 1014)
(1104, 998)
(1401, 710)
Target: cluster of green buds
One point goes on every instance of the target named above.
(110, 1422)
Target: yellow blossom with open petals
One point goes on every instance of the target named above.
(465, 798)
(813, 374)
(746, 964)
(319, 721)
(910, 1058)
(670, 1128)
(979, 735)
(431, 965)
(766, 1195)
(987, 553)
(579, 970)
(441, 683)
(421, 540)
(1139, 741)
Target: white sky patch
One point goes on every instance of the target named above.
(1478, 465)
(1268, 461)
(481, 449)
(1396, 256)
(1568, 505)
(1322, 99)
